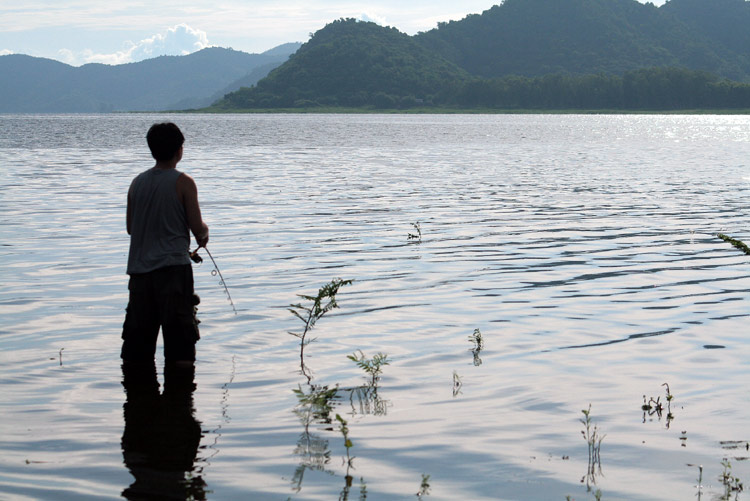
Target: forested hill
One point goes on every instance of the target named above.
(726, 23)
(37, 85)
(538, 37)
(351, 63)
(598, 49)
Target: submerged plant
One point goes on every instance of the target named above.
(699, 485)
(373, 367)
(418, 236)
(594, 440)
(736, 243)
(324, 302)
(59, 354)
(478, 341)
(732, 484)
(424, 488)
(653, 406)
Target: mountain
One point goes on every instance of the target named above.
(726, 23)
(352, 63)
(37, 85)
(625, 46)
(537, 37)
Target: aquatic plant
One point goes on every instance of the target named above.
(373, 366)
(478, 341)
(59, 355)
(736, 243)
(594, 440)
(653, 406)
(418, 236)
(700, 478)
(424, 488)
(732, 484)
(324, 302)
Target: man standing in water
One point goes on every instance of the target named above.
(162, 211)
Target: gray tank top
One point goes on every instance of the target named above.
(159, 233)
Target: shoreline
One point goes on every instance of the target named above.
(456, 111)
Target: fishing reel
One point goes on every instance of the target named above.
(195, 257)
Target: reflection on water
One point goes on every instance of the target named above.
(161, 438)
(365, 400)
(315, 406)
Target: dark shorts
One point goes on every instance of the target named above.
(161, 298)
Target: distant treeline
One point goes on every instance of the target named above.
(645, 89)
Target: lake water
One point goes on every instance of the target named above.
(583, 249)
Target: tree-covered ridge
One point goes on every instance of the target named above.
(726, 23)
(537, 37)
(539, 54)
(353, 63)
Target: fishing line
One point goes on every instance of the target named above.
(216, 271)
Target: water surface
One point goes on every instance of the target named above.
(583, 248)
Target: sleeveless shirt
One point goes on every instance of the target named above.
(159, 232)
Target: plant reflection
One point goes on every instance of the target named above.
(313, 407)
(344, 429)
(457, 384)
(365, 400)
(161, 437)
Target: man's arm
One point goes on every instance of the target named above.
(129, 211)
(187, 192)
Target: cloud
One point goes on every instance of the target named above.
(179, 40)
(6, 52)
(66, 56)
(373, 18)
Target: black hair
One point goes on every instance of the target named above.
(164, 141)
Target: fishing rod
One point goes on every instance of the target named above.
(197, 259)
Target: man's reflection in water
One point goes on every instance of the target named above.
(161, 437)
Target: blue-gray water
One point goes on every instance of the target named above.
(583, 248)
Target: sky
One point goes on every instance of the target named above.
(122, 31)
